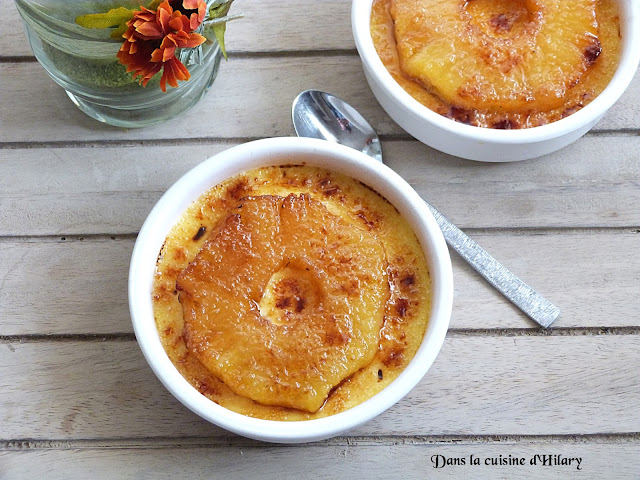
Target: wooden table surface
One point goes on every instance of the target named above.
(78, 399)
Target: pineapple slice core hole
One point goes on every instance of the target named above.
(504, 18)
(292, 290)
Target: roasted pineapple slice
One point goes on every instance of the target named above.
(285, 300)
(499, 55)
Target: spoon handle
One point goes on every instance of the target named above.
(538, 308)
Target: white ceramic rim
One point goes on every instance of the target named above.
(629, 60)
(278, 151)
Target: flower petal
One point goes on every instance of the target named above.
(157, 55)
(187, 40)
(152, 37)
(180, 22)
(191, 4)
(168, 77)
(164, 17)
(183, 71)
(149, 30)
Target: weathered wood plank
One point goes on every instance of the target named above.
(567, 223)
(251, 98)
(287, 25)
(92, 190)
(57, 288)
(602, 461)
(54, 191)
(80, 287)
(478, 386)
(575, 187)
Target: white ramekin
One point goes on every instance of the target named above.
(486, 144)
(287, 151)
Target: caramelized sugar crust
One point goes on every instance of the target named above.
(285, 300)
(330, 281)
(499, 63)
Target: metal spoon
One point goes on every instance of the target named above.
(320, 115)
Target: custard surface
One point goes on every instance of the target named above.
(503, 64)
(352, 255)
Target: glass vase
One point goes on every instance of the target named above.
(83, 61)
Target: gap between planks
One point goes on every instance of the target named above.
(347, 52)
(454, 333)
(513, 231)
(231, 141)
(374, 440)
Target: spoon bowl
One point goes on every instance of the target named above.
(326, 117)
(317, 114)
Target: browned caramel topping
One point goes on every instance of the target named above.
(264, 301)
(199, 234)
(408, 280)
(180, 254)
(328, 188)
(499, 63)
(239, 189)
(502, 22)
(401, 307)
(593, 51)
(292, 293)
(506, 124)
(394, 356)
(163, 292)
(461, 115)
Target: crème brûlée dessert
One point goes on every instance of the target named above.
(291, 293)
(503, 64)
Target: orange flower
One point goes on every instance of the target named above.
(152, 38)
